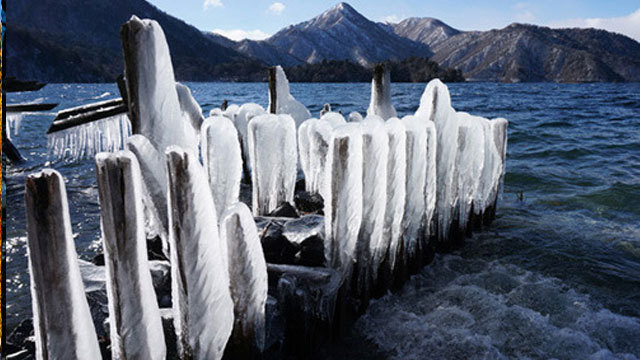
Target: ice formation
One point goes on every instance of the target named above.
(325, 109)
(343, 197)
(86, 141)
(285, 102)
(499, 127)
(435, 105)
(231, 112)
(470, 160)
(222, 160)
(490, 171)
(334, 118)
(381, 94)
(375, 153)
(415, 203)
(303, 150)
(189, 106)
(319, 133)
(432, 179)
(248, 281)
(246, 112)
(154, 108)
(396, 190)
(273, 156)
(14, 120)
(62, 323)
(154, 187)
(355, 116)
(134, 317)
(202, 304)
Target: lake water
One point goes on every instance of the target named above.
(557, 275)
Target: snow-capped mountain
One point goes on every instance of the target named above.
(340, 33)
(428, 31)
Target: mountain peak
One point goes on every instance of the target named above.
(343, 7)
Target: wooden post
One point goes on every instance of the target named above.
(272, 90)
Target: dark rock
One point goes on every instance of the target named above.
(161, 277)
(98, 260)
(277, 248)
(169, 333)
(300, 185)
(285, 210)
(311, 252)
(309, 203)
(154, 249)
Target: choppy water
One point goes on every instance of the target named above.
(556, 276)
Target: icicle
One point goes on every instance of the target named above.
(222, 161)
(202, 304)
(415, 203)
(375, 152)
(61, 318)
(319, 139)
(274, 157)
(85, 141)
(490, 169)
(246, 112)
(396, 192)
(304, 151)
(432, 176)
(248, 281)
(343, 197)
(134, 317)
(14, 120)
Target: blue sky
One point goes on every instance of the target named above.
(258, 19)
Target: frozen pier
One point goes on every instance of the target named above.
(290, 270)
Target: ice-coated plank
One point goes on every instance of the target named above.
(355, 116)
(470, 160)
(334, 118)
(154, 108)
(416, 180)
(154, 188)
(285, 102)
(61, 318)
(343, 197)
(248, 280)
(134, 317)
(222, 160)
(189, 106)
(375, 153)
(274, 157)
(202, 304)
(246, 112)
(319, 138)
(381, 94)
(435, 105)
(396, 188)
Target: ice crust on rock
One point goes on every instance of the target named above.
(134, 317)
(396, 189)
(343, 197)
(62, 323)
(375, 153)
(154, 108)
(470, 160)
(416, 181)
(202, 304)
(435, 105)
(273, 155)
(381, 95)
(154, 188)
(248, 280)
(285, 102)
(222, 160)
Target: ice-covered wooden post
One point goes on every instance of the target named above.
(396, 193)
(375, 151)
(319, 139)
(435, 106)
(280, 99)
(343, 197)
(248, 282)
(61, 319)
(273, 155)
(381, 94)
(470, 160)
(134, 317)
(222, 159)
(202, 305)
(415, 201)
